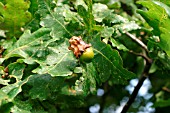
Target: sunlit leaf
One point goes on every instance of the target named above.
(118, 45)
(13, 90)
(109, 64)
(157, 17)
(15, 15)
(87, 82)
(60, 61)
(23, 44)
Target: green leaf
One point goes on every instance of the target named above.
(24, 43)
(16, 70)
(87, 82)
(153, 16)
(7, 43)
(160, 101)
(91, 76)
(167, 9)
(4, 82)
(21, 106)
(109, 64)
(118, 45)
(15, 15)
(6, 107)
(55, 21)
(128, 26)
(13, 90)
(54, 57)
(87, 16)
(100, 11)
(60, 61)
(165, 40)
(15, 109)
(84, 14)
(33, 7)
(2, 73)
(157, 18)
(103, 14)
(44, 7)
(44, 86)
(107, 32)
(3, 97)
(1, 70)
(167, 2)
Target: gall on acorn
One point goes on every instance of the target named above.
(81, 50)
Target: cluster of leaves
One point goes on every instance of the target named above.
(14, 15)
(40, 74)
(157, 17)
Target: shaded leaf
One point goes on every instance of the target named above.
(160, 100)
(21, 106)
(15, 109)
(162, 103)
(33, 6)
(6, 108)
(44, 86)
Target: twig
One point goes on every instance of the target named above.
(133, 95)
(166, 89)
(138, 86)
(144, 74)
(142, 55)
(137, 40)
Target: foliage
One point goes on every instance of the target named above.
(14, 15)
(39, 74)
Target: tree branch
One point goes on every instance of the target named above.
(144, 74)
(166, 89)
(142, 55)
(137, 40)
(138, 86)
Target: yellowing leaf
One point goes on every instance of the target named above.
(14, 15)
